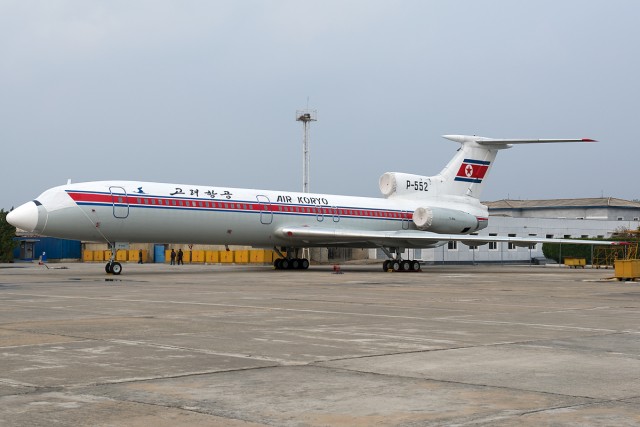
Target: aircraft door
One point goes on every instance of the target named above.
(266, 215)
(405, 220)
(319, 213)
(336, 213)
(120, 202)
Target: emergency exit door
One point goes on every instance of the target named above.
(120, 202)
(266, 215)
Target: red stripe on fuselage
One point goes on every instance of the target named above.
(181, 203)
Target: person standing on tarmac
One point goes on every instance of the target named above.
(180, 255)
(173, 257)
(140, 256)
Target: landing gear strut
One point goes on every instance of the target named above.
(113, 266)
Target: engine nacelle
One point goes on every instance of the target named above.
(445, 221)
(403, 183)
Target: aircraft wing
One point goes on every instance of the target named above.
(315, 236)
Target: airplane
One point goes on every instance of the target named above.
(415, 212)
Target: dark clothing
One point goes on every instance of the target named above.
(140, 257)
(180, 255)
(173, 257)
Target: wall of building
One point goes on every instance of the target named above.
(601, 213)
(317, 255)
(519, 227)
(55, 249)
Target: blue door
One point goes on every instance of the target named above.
(158, 253)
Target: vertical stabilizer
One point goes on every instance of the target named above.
(465, 174)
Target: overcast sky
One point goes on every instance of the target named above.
(205, 92)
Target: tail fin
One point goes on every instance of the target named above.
(464, 175)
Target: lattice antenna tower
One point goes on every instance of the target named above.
(306, 117)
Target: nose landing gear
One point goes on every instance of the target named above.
(113, 267)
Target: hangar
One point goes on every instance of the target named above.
(551, 218)
(603, 208)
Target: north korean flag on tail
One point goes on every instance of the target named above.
(472, 170)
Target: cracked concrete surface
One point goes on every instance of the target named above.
(243, 346)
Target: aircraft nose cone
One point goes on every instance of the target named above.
(24, 217)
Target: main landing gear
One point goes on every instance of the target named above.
(291, 264)
(396, 263)
(401, 265)
(290, 260)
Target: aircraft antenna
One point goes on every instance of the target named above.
(306, 117)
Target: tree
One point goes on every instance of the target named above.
(555, 250)
(7, 233)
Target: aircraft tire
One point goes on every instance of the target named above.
(116, 268)
(415, 265)
(304, 263)
(395, 265)
(405, 265)
(278, 263)
(385, 265)
(107, 268)
(285, 264)
(295, 264)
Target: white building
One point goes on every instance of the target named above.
(605, 208)
(562, 218)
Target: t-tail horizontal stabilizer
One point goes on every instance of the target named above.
(464, 175)
(494, 141)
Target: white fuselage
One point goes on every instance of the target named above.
(131, 211)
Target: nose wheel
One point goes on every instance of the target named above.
(113, 268)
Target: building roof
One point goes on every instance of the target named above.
(596, 202)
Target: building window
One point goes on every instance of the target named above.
(636, 218)
(585, 236)
(493, 246)
(549, 236)
(473, 247)
(511, 245)
(620, 218)
(567, 236)
(579, 217)
(452, 245)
